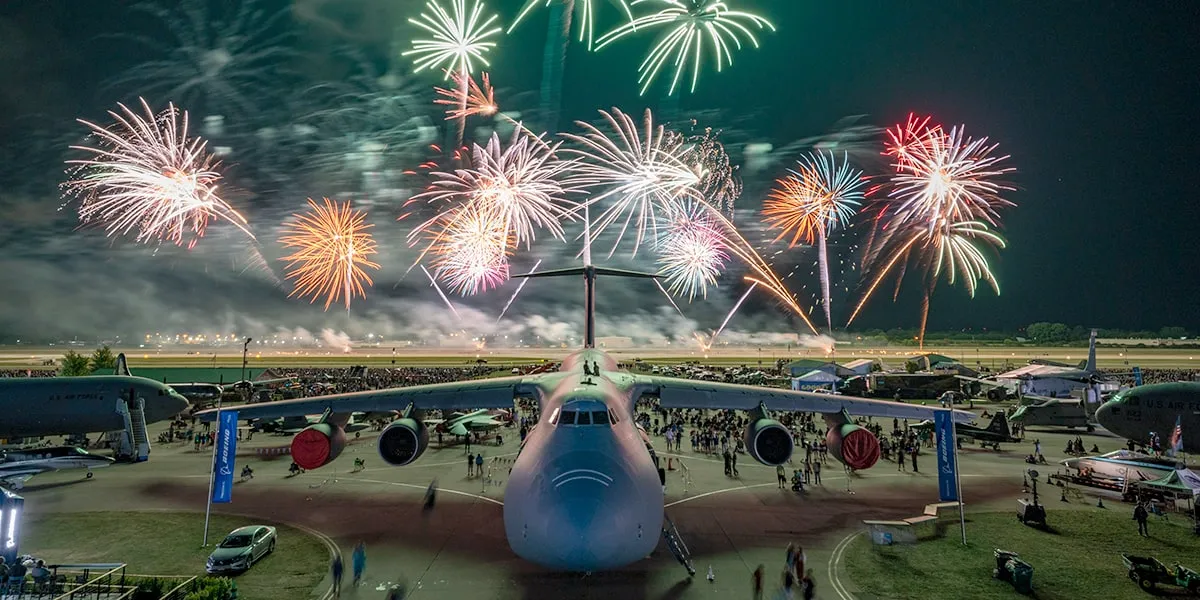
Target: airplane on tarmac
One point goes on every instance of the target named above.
(41, 406)
(996, 433)
(461, 423)
(1051, 379)
(585, 492)
(17, 466)
(1052, 412)
(291, 425)
(1137, 412)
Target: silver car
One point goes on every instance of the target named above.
(241, 548)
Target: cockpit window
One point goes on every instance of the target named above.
(567, 418)
(600, 417)
(585, 418)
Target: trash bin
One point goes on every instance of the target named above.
(1022, 576)
(1001, 571)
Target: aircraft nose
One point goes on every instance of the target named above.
(161, 408)
(1104, 417)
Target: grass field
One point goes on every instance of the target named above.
(152, 543)
(1080, 558)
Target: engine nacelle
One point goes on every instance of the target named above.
(318, 445)
(769, 442)
(404, 441)
(853, 446)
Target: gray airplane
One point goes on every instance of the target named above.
(17, 466)
(1051, 412)
(40, 406)
(1136, 412)
(585, 492)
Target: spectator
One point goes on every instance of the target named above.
(337, 568)
(360, 562)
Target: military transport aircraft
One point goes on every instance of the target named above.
(584, 493)
(461, 423)
(1137, 412)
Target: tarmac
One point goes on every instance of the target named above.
(458, 550)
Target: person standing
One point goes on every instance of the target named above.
(470, 466)
(817, 473)
(914, 459)
(781, 475)
(1141, 515)
(360, 562)
(808, 587)
(337, 568)
(758, 583)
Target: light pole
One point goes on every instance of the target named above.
(245, 351)
(212, 471)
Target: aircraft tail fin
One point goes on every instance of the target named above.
(122, 367)
(999, 424)
(1090, 367)
(589, 272)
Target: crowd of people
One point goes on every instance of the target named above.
(1125, 375)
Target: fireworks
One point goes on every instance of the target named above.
(638, 170)
(147, 177)
(458, 38)
(811, 201)
(690, 24)
(219, 61)
(943, 202)
(496, 204)
(693, 252)
(332, 247)
(719, 184)
(586, 18)
(481, 100)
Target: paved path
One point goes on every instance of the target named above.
(459, 551)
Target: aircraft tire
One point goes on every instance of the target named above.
(1091, 428)
(89, 475)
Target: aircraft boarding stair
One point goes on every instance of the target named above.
(133, 443)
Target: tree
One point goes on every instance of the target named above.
(73, 364)
(1172, 333)
(103, 359)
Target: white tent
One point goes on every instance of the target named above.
(815, 379)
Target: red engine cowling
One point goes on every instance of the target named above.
(318, 445)
(853, 446)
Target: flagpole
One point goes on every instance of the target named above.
(962, 518)
(212, 473)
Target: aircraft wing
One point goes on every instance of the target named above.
(991, 382)
(258, 382)
(482, 393)
(687, 393)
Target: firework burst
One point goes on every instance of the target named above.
(690, 26)
(481, 98)
(458, 37)
(471, 252)
(331, 253)
(719, 184)
(693, 252)
(586, 15)
(147, 177)
(638, 170)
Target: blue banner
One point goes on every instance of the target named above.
(226, 457)
(1137, 376)
(943, 423)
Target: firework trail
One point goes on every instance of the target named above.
(669, 298)
(458, 41)
(814, 199)
(146, 176)
(436, 287)
(690, 25)
(732, 311)
(941, 208)
(518, 292)
(634, 169)
(331, 253)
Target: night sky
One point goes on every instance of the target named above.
(1096, 103)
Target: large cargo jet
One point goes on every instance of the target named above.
(40, 406)
(1137, 412)
(584, 493)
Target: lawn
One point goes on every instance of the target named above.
(1079, 558)
(153, 543)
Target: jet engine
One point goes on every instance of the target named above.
(317, 445)
(853, 446)
(769, 442)
(403, 441)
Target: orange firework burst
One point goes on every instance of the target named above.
(331, 253)
(468, 99)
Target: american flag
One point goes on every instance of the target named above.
(1177, 437)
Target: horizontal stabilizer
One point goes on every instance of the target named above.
(583, 270)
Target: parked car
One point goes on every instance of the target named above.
(241, 549)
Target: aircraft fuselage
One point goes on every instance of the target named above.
(78, 405)
(584, 496)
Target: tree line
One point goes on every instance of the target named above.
(74, 364)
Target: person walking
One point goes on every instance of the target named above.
(757, 578)
(901, 450)
(808, 587)
(430, 496)
(337, 569)
(470, 466)
(914, 459)
(1141, 515)
(360, 562)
